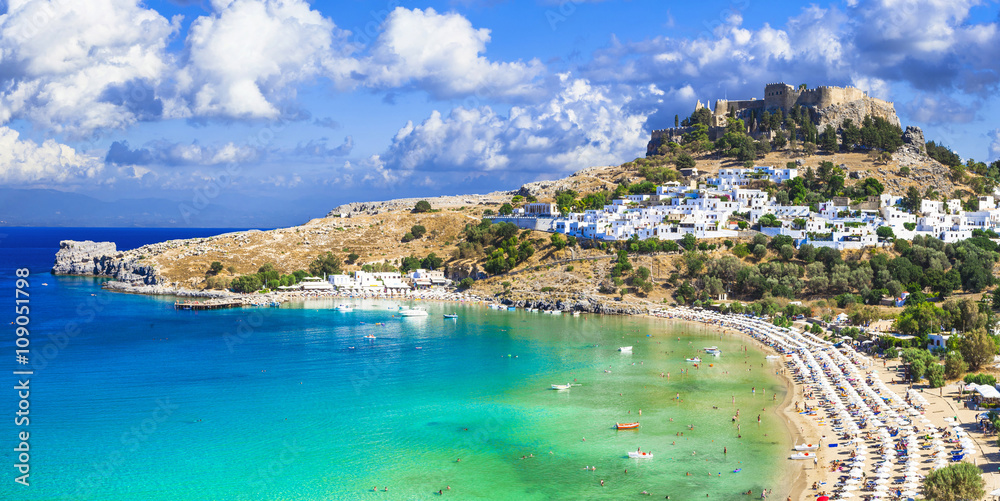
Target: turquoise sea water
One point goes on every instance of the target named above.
(143, 402)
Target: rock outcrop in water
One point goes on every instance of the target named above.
(102, 259)
(587, 305)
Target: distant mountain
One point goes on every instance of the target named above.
(41, 207)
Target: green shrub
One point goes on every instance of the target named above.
(986, 379)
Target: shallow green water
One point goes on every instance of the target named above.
(294, 404)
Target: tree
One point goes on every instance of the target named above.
(215, 268)
(422, 206)
(958, 482)
(828, 140)
(418, 230)
(759, 251)
(809, 149)
(684, 161)
(352, 257)
(465, 283)
(431, 262)
(325, 264)
(506, 209)
(884, 232)
(977, 347)
(935, 375)
(872, 186)
(642, 273)
(676, 121)
(954, 365)
(689, 241)
(558, 241)
(787, 251)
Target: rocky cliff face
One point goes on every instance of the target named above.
(856, 111)
(102, 259)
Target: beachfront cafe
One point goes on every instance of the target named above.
(983, 396)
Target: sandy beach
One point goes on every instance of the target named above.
(933, 425)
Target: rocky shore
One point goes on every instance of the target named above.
(102, 259)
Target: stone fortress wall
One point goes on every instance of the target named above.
(827, 105)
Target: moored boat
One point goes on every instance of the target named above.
(803, 455)
(450, 315)
(561, 386)
(416, 311)
(640, 455)
(806, 447)
(625, 349)
(695, 359)
(344, 308)
(627, 426)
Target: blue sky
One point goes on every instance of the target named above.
(321, 103)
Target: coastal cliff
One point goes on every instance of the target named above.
(102, 259)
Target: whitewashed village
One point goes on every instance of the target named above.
(711, 210)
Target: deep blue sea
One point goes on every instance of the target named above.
(133, 400)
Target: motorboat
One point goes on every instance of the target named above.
(803, 455)
(625, 349)
(806, 447)
(344, 308)
(369, 336)
(561, 386)
(417, 311)
(640, 455)
(695, 359)
(451, 315)
(626, 426)
(713, 351)
(576, 313)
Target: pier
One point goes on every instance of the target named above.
(208, 304)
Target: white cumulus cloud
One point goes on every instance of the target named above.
(583, 125)
(441, 54)
(72, 66)
(249, 54)
(25, 162)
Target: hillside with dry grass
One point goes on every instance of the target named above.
(374, 231)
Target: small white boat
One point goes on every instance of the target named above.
(417, 311)
(803, 455)
(640, 455)
(561, 386)
(773, 357)
(695, 359)
(344, 308)
(713, 351)
(369, 336)
(625, 349)
(576, 313)
(450, 315)
(806, 447)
